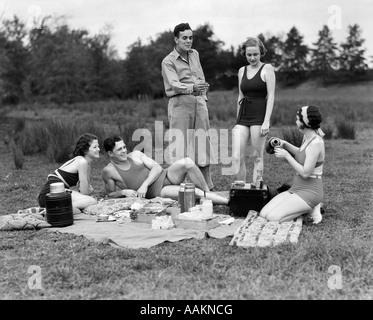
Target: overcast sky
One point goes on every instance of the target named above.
(232, 20)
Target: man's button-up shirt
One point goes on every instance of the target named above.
(180, 75)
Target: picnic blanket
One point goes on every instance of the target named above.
(127, 234)
(256, 231)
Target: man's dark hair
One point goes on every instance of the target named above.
(109, 143)
(180, 28)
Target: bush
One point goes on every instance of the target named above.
(292, 135)
(56, 138)
(126, 130)
(33, 139)
(328, 130)
(18, 156)
(346, 129)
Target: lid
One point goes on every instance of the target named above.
(189, 186)
(57, 187)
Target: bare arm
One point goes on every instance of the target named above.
(240, 94)
(155, 171)
(313, 152)
(289, 147)
(270, 80)
(83, 186)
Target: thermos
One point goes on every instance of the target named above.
(181, 197)
(271, 144)
(189, 196)
(58, 205)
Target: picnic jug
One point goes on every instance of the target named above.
(271, 144)
(58, 205)
(189, 196)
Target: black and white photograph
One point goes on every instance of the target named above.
(186, 156)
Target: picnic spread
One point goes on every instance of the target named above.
(142, 223)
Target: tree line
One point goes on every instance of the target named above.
(54, 63)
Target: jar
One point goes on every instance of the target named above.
(207, 208)
(189, 196)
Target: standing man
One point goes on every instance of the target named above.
(185, 86)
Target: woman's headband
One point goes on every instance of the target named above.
(303, 117)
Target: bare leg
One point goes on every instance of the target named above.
(241, 135)
(206, 172)
(285, 206)
(173, 193)
(258, 143)
(177, 171)
(216, 199)
(81, 201)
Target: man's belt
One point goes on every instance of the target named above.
(194, 93)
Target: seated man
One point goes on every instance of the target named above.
(135, 174)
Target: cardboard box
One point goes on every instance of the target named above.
(148, 212)
(197, 225)
(145, 218)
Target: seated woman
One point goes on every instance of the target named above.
(306, 192)
(76, 172)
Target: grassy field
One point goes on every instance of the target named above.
(73, 267)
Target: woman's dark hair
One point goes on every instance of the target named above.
(180, 28)
(253, 42)
(109, 143)
(313, 115)
(83, 144)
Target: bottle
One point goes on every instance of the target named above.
(181, 197)
(202, 198)
(189, 196)
(259, 178)
(207, 208)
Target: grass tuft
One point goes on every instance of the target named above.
(346, 129)
(292, 135)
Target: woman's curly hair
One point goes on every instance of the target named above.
(314, 117)
(253, 42)
(83, 144)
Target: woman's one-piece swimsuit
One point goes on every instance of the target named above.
(70, 178)
(254, 103)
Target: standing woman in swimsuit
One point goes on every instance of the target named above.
(76, 172)
(306, 192)
(256, 93)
